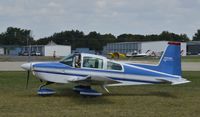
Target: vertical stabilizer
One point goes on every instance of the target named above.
(171, 59)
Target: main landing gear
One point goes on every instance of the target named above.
(82, 90)
(86, 91)
(45, 91)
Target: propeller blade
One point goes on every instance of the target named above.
(27, 79)
(28, 66)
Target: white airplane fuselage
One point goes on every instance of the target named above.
(89, 69)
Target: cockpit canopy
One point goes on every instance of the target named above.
(90, 61)
(70, 59)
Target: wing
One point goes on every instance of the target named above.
(94, 80)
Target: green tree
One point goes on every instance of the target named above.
(130, 37)
(16, 36)
(184, 37)
(196, 36)
(168, 36)
(93, 40)
(64, 38)
(78, 39)
(152, 37)
(96, 41)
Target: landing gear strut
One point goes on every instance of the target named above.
(45, 91)
(43, 85)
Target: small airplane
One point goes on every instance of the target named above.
(86, 70)
(137, 54)
(116, 55)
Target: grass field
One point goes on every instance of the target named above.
(191, 59)
(132, 101)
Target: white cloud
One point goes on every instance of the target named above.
(101, 3)
(53, 4)
(112, 16)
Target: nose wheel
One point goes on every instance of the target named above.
(45, 91)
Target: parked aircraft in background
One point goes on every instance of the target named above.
(137, 54)
(116, 55)
(86, 70)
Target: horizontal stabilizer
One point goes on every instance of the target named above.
(180, 82)
(174, 81)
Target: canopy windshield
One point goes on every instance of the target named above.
(71, 60)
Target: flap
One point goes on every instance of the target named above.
(94, 80)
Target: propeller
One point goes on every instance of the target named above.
(27, 78)
(28, 73)
(28, 68)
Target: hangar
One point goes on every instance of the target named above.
(48, 50)
(1, 51)
(193, 48)
(36, 50)
(140, 47)
(59, 50)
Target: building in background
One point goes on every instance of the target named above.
(1, 51)
(84, 50)
(156, 47)
(50, 49)
(193, 48)
(9, 50)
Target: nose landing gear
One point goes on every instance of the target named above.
(45, 91)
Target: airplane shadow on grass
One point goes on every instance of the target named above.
(70, 93)
(105, 98)
(155, 93)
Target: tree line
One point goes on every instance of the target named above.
(93, 40)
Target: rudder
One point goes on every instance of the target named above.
(171, 60)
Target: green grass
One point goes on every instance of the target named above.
(191, 59)
(132, 101)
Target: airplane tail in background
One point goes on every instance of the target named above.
(170, 61)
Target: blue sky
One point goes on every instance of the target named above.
(45, 17)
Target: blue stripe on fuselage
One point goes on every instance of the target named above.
(57, 65)
(59, 73)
